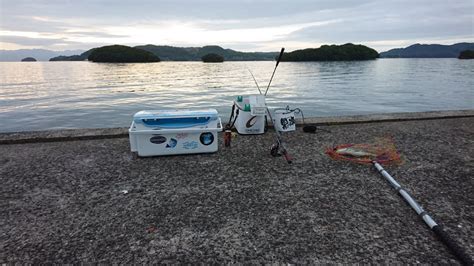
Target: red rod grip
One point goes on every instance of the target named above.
(287, 157)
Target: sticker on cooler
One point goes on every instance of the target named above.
(190, 145)
(207, 138)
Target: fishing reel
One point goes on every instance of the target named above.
(275, 150)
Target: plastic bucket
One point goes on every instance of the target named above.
(284, 120)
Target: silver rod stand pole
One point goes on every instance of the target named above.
(457, 250)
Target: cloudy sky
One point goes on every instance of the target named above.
(247, 25)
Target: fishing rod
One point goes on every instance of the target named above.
(278, 147)
(278, 62)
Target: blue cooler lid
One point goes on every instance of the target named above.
(175, 118)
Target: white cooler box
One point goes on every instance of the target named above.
(167, 132)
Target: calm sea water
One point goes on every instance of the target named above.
(51, 95)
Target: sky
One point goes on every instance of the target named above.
(247, 25)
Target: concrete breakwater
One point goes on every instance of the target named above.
(91, 200)
(103, 133)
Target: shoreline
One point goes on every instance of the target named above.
(122, 132)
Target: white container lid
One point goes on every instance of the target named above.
(175, 119)
(157, 114)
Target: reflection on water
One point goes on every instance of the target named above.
(46, 95)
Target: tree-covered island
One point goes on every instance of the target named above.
(345, 52)
(121, 54)
(467, 54)
(212, 58)
(28, 59)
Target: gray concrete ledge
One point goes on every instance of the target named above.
(389, 117)
(62, 135)
(95, 202)
(105, 133)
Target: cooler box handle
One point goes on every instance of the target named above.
(175, 130)
(170, 123)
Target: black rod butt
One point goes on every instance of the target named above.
(281, 55)
(457, 250)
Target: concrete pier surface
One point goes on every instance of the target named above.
(77, 196)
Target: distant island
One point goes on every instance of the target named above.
(212, 58)
(28, 59)
(121, 54)
(428, 51)
(467, 54)
(345, 52)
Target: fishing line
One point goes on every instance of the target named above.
(256, 83)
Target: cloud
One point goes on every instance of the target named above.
(384, 26)
(246, 25)
(74, 33)
(112, 10)
(27, 41)
(181, 33)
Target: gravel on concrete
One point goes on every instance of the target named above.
(93, 200)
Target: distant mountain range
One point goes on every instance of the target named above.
(428, 51)
(80, 57)
(170, 53)
(38, 54)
